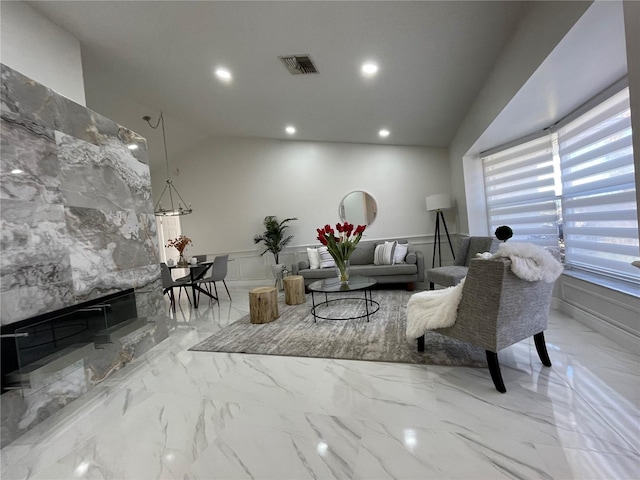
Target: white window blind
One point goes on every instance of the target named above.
(520, 189)
(598, 190)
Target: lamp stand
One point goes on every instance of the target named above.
(438, 242)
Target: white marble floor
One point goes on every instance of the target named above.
(179, 414)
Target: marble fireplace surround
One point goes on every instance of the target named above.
(77, 224)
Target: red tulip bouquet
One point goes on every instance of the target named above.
(342, 245)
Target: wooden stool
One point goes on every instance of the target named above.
(263, 304)
(294, 290)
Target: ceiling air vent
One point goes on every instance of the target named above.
(298, 64)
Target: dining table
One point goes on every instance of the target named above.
(194, 277)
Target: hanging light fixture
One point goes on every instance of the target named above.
(183, 207)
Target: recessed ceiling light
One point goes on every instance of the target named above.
(369, 69)
(223, 74)
(290, 130)
(16, 171)
(384, 133)
(132, 146)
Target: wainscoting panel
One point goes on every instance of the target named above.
(249, 265)
(612, 314)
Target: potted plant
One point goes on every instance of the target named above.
(274, 239)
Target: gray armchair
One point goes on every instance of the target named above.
(499, 309)
(450, 276)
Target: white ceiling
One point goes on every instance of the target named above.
(140, 57)
(433, 58)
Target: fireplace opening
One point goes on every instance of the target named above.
(32, 343)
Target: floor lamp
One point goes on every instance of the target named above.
(437, 203)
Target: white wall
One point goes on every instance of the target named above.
(234, 183)
(543, 27)
(39, 49)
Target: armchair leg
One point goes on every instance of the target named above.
(541, 347)
(494, 369)
(421, 343)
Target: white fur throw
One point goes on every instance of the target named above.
(530, 262)
(432, 309)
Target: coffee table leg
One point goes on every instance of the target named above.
(313, 308)
(366, 303)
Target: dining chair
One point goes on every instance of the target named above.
(218, 274)
(168, 284)
(197, 272)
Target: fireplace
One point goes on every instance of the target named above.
(33, 343)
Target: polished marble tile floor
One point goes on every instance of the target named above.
(173, 413)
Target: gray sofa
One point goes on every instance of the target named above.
(361, 260)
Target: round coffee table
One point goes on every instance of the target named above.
(333, 285)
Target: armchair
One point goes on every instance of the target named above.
(499, 309)
(450, 276)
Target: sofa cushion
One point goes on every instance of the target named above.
(383, 254)
(447, 276)
(314, 258)
(363, 254)
(400, 253)
(378, 270)
(411, 257)
(326, 260)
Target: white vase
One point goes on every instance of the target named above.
(276, 270)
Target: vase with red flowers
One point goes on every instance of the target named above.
(341, 245)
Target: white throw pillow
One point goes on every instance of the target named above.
(314, 258)
(326, 260)
(384, 253)
(400, 253)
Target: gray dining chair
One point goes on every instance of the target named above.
(197, 272)
(218, 274)
(168, 284)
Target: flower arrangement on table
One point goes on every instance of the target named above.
(342, 245)
(180, 243)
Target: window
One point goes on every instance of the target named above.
(598, 201)
(520, 189)
(573, 188)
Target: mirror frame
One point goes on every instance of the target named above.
(370, 216)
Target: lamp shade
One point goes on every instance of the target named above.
(441, 201)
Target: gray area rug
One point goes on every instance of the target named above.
(382, 339)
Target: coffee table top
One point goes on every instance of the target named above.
(329, 285)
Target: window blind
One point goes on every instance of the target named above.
(598, 202)
(520, 190)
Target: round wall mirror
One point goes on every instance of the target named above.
(358, 207)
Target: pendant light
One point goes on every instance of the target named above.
(183, 207)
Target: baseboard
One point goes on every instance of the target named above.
(622, 337)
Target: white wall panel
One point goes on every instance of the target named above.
(39, 49)
(233, 184)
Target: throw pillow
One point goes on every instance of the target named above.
(400, 253)
(314, 258)
(326, 260)
(384, 253)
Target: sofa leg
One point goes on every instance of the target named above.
(421, 343)
(494, 370)
(541, 347)
(411, 287)
(431, 286)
